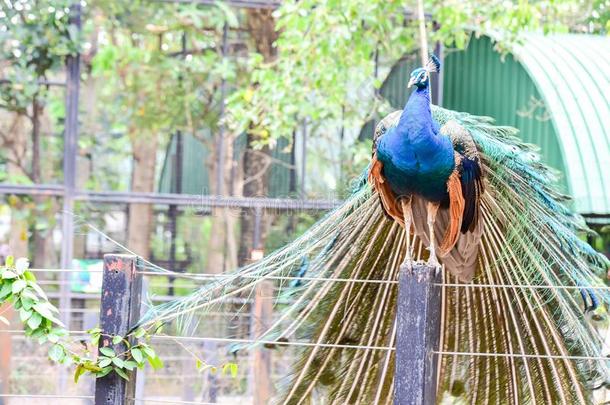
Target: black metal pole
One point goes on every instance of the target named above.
(69, 166)
(418, 319)
(173, 209)
(120, 309)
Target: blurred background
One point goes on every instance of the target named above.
(203, 134)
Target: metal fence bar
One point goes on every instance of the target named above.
(46, 396)
(120, 308)
(418, 319)
(189, 200)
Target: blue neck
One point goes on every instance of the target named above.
(417, 113)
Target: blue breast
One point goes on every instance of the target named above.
(416, 158)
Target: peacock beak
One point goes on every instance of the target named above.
(411, 82)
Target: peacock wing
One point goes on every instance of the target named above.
(391, 208)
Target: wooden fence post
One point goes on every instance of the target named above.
(120, 309)
(262, 318)
(418, 331)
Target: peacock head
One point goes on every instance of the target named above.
(420, 77)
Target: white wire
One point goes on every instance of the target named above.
(46, 396)
(203, 276)
(225, 276)
(522, 355)
(271, 342)
(531, 286)
(165, 401)
(64, 271)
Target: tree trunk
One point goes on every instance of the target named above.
(222, 251)
(142, 180)
(261, 26)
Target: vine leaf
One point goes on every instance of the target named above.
(18, 286)
(80, 370)
(137, 355)
(106, 351)
(34, 321)
(56, 353)
(122, 373)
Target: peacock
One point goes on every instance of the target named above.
(472, 200)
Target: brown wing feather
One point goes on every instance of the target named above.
(391, 206)
(456, 211)
(388, 199)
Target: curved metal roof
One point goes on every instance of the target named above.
(572, 74)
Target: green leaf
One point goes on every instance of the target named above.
(18, 286)
(57, 353)
(118, 362)
(105, 361)
(139, 333)
(94, 368)
(8, 275)
(155, 362)
(105, 371)
(24, 314)
(130, 365)
(10, 261)
(80, 370)
(232, 367)
(43, 310)
(29, 276)
(28, 294)
(122, 373)
(34, 321)
(149, 352)
(137, 355)
(117, 339)
(198, 364)
(107, 351)
(38, 290)
(5, 290)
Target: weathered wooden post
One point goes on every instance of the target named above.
(418, 331)
(120, 309)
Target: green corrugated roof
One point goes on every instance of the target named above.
(572, 74)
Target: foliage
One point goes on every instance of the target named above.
(118, 354)
(151, 82)
(600, 17)
(327, 51)
(35, 37)
(18, 286)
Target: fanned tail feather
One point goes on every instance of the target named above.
(529, 245)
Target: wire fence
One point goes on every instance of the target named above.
(234, 327)
(228, 276)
